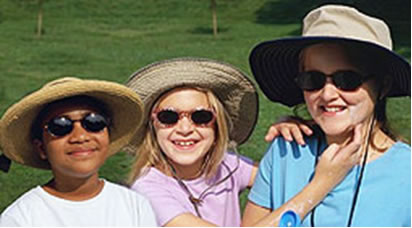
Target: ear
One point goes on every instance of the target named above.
(39, 148)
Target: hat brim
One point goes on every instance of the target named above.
(232, 87)
(18, 119)
(275, 64)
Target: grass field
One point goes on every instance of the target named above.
(112, 39)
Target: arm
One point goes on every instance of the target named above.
(253, 175)
(188, 219)
(332, 167)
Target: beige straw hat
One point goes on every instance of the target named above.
(125, 106)
(275, 63)
(232, 87)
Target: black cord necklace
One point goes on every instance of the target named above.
(197, 201)
(359, 182)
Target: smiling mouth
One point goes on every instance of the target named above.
(335, 109)
(81, 152)
(185, 143)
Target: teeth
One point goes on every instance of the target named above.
(334, 109)
(182, 143)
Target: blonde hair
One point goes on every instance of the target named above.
(149, 153)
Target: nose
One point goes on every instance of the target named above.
(329, 91)
(184, 126)
(78, 134)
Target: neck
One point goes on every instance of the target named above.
(185, 172)
(379, 142)
(75, 189)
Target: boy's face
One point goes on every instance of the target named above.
(79, 153)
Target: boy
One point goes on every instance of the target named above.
(75, 125)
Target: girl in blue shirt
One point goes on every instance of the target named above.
(343, 69)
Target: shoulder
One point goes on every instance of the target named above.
(21, 208)
(400, 155)
(154, 185)
(121, 191)
(153, 178)
(401, 146)
(282, 148)
(232, 159)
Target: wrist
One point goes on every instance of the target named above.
(323, 182)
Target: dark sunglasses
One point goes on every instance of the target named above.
(199, 117)
(62, 125)
(345, 80)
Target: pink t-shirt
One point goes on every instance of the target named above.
(220, 204)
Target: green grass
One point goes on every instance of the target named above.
(112, 39)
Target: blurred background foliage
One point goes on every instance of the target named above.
(103, 39)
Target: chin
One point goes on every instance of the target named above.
(336, 130)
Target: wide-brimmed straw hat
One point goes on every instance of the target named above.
(231, 86)
(275, 63)
(124, 105)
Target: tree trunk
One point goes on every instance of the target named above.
(214, 17)
(40, 18)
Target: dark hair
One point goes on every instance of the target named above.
(36, 128)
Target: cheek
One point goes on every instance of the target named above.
(310, 100)
(360, 107)
(162, 136)
(104, 139)
(208, 135)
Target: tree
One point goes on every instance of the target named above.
(39, 18)
(214, 16)
(38, 6)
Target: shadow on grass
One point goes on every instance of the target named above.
(207, 30)
(395, 13)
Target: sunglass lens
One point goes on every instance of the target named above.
(347, 80)
(168, 117)
(94, 122)
(311, 80)
(60, 126)
(202, 117)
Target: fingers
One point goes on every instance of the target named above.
(297, 135)
(272, 133)
(351, 151)
(330, 152)
(306, 129)
(290, 131)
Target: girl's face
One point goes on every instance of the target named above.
(184, 143)
(79, 153)
(336, 111)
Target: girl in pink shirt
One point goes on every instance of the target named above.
(197, 112)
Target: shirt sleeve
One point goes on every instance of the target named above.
(148, 218)
(8, 221)
(164, 203)
(244, 171)
(261, 192)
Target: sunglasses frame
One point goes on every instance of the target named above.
(182, 114)
(82, 123)
(334, 76)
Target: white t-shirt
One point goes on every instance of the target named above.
(115, 205)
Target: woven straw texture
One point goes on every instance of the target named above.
(18, 119)
(231, 86)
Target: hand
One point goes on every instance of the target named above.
(336, 161)
(290, 128)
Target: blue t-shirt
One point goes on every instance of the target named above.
(385, 193)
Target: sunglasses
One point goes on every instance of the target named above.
(345, 80)
(200, 117)
(62, 125)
